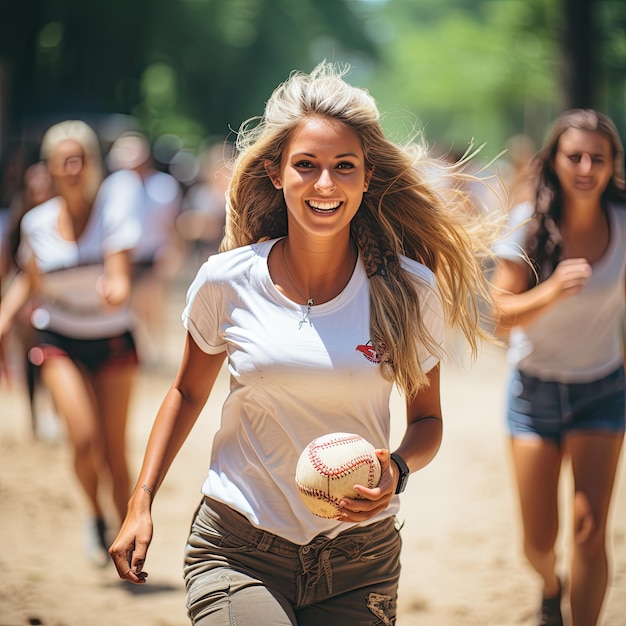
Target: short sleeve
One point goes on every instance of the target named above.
(620, 214)
(201, 314)
(433, 317)
(432, 312)
(512, 246)
(121, 195)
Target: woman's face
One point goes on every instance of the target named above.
(323, 176)
(67, 163)
(583, 163)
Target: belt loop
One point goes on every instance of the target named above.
(266, 542)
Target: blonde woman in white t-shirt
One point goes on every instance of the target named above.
(75, 254)
(564, 324)
(340, 269)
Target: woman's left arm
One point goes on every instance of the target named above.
(418, 447)
(424, 431)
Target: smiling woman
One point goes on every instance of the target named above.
(340, 269)
(323, 176)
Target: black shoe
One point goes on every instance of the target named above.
(550, 611)
(96, 544)
(101, 533)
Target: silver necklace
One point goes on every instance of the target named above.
(309, 300)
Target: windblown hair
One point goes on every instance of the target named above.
(544, 244)
(413, 206)
(86, 137)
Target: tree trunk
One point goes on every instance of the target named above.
(578, 54)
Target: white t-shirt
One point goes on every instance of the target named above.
(158, 211)
(578, 339)
(69, 303)
(290, 383)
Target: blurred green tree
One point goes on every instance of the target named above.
(485, 70)
(191, 67)
(462, 69)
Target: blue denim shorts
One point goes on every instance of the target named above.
(552, 410)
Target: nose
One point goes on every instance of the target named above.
(325, 182)
(585, 163)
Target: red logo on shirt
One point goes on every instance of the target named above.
(369, 352)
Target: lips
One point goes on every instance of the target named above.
(324, 207)
(584, 184)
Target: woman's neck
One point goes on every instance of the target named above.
(581, 215)
(74, 215)
(585, 232)
(317, 273)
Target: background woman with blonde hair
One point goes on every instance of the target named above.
(75, 255)
(341, 266)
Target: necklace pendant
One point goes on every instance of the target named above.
(309, 304)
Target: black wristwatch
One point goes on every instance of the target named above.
(404, 472)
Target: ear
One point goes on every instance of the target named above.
(273, 173)
(368, 177)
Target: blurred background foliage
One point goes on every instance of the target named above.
(461, 69)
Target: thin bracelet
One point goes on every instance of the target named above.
(146, 489)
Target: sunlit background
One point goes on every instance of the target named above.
(187, 72)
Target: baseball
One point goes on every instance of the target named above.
(330, 466)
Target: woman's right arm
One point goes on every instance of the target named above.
(516, 305)
(175, 419)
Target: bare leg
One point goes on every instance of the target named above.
(74, 401)
(537, 464)
(147, 303)
(595, 457)
(113, 390)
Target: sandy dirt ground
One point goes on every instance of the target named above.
(462, 563)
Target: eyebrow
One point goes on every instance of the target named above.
(338, 156)
(576, 151)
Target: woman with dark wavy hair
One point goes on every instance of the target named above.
(341, 266)
(563, 314)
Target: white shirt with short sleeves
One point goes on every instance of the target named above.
(290, 383)
(158, 210)
(69, 302)
(578, 339)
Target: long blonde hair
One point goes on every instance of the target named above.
(413, 206)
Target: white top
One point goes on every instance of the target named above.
(69, 302)
(290, 384)
(578, 339)
(157, 213)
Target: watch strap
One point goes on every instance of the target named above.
(404, 472)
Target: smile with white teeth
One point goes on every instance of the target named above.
(323, 206)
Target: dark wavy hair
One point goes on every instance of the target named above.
(544, 244)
